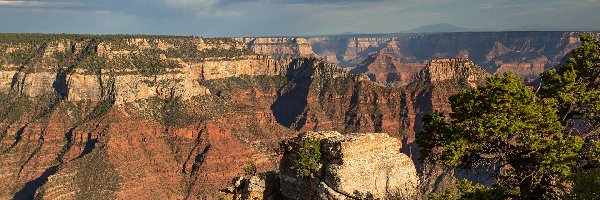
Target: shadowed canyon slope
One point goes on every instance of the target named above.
(178, 117)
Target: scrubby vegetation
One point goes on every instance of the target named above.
(466, 190)
(96, 177)
(146, 64)
(219, 41)
(169, 111)
(263, 82)
(13, 106)
(21, 56)
(101, 109)
(174, 114)
(226, 91)
(250, 169)
(309, 156)
(94, 64)
(16, 106)
(140, 52)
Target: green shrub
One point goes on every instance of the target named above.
(250, 169)
(466, 189)
(309, 155)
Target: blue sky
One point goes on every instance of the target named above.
(213, 18)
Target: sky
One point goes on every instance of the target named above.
(234, 18)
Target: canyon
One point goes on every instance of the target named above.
(395, 59)
(172, 117)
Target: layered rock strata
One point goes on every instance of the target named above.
(527, 54)
(96, 69)
(279, 47)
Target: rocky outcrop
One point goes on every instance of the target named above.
(323, 97)
(440, 79)
(131, 87)
(525, 53)
(264, 186)
(355, 166)
(250, 65)
(528, 70)
(453, 69)
(242, 120)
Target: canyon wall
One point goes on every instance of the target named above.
(132, 116)
(93, 69)
(395, 59)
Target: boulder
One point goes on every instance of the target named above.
(261, 187)
(354, 166)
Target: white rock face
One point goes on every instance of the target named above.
(355, 166)
(6, 79)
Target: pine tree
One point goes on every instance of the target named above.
(503, 124)
(544, 145)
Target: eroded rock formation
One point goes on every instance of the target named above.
(353, 166)
(527, 54)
